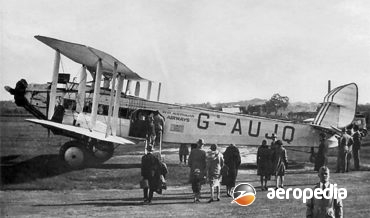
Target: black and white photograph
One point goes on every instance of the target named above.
(174, 108)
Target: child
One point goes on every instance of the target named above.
(183, 153)
(215, 162)
(196, 185)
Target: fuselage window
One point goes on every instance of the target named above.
(103, 109)
(123, 113)
(87, 107)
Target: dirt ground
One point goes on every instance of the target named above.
(177, 201)
(35, 184)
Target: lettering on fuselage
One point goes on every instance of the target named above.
(254, 127)
(204, 124)
(178, 116)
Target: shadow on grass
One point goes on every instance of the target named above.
(115, 166)
(115, 204)
(8, 159)
(38, 167)
(42, 166)
(133, 201)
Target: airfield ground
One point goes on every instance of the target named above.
(34, 183)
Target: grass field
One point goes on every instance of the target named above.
(29, 161)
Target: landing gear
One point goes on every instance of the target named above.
(74, 154)
(77, 154)
(102, 151)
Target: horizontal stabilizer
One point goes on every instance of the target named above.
(77, 132)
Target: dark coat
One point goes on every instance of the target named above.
(264, 163)
(280, 161)
(232, 160)
(322, 156)
(184, 150)
(357, 137)
(151, 170)
(197, 160)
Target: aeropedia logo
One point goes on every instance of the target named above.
(331, 192)
(244, 194)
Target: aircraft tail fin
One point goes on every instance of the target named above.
(339, 107)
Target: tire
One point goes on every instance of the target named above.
(103, 151)
(73, 154)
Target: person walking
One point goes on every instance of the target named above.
(264, 164)
(357, 137)
(215, 162)
(232, 161)
(196, 185)
(322, 154)
(280, 163)
(183, 153)
(150, 130)
(197, 160)
(158, 126)
(332, 207)
(151, 169)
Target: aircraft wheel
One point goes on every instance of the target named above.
(103, 151)
(73, 154)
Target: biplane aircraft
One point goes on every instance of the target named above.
(99, 115)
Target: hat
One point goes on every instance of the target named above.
(213, 147)
(200, 142)
(149, 148)
(279, 142)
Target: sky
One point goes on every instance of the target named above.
(201, 51)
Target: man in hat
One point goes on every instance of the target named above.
(273, 142)
(324, 207)
(280, 163)
(151, 171)
(197, 160)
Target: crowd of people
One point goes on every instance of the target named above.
(205, 167)
(210, 167)
(216, 168)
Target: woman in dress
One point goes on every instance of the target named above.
(264, 164)
(232, 162)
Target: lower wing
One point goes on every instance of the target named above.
(78, 132)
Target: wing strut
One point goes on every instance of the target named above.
(117, 99)
(109, 124)
(54, 83)
(80, 100)
(96, 96)
(149, 90)
(159, 91)
(128, 87)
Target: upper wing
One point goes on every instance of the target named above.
(89, 56)
(77, 132)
